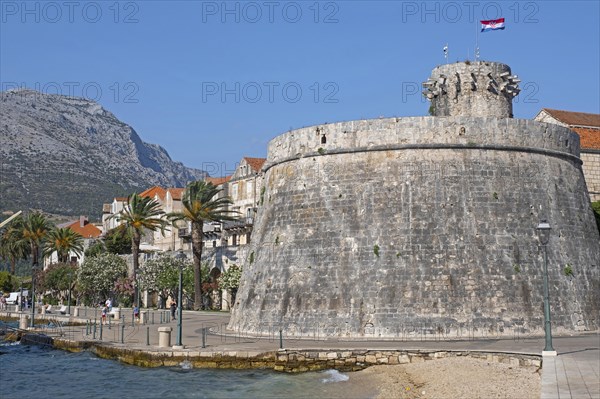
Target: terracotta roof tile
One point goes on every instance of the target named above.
(87, 231)
(217, 181)
(121, 199)
(154, 191)
(176, 192)
(255, 163)
(574, 118)
(590, 138)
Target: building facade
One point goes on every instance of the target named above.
(587, 126)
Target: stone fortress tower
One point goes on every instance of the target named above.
(424, 226)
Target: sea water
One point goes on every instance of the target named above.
(37, 372)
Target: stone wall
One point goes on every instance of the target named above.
(375, 226)
(299, 360)
(472, 89)
(591, 170)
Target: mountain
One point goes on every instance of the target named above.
(67, 156)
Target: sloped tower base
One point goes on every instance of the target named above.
(407, 227)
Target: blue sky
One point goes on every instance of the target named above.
(215, 81)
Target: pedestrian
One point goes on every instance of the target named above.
(104, 311)
(173, 308)
(108, 303)
(2, 302)
(136, 313)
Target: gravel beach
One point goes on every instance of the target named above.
(452, 377)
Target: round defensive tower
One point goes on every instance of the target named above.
(420, 226)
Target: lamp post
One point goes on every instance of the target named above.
(543, 230)
(33, 270)
(70, 284)
(180, 256)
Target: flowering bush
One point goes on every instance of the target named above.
(161, 275)
(124, 288)
(97, 274)
(230, 279)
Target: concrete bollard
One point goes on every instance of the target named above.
(164, 337)
(144, 317)
(43, 310)
(117, 313)
(24, 321)
(76, 312)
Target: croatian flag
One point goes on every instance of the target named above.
(492, 24)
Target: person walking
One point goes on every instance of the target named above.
(173, 309)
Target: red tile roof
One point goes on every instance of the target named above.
(87, 231)
(575, 118)
(217, 181)
(255, 163)
(154, 191)
(176, 192)
(121, 199)
(590, 138)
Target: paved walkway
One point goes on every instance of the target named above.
(574, 373)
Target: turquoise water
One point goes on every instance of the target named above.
(37, 372)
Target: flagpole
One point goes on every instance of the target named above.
(476, 40)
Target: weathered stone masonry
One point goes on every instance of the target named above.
(380, 228)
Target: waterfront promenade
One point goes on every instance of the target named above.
(574, 373)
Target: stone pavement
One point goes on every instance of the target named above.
(574, 373)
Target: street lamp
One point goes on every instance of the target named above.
(543, 230)
(33, 270)
(70, 284)
(180, 256)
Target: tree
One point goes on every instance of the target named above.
(57, 278)
(118, 241)
(97, 275)
(34, 228)
(6, 283)
(201, 203)
(230, 280)
(161, 275)
(63, 241)
(95, 249)
(140, 213)
(596, 209)
(12, 246)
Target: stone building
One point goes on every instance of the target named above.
(587, 126)
(169, 200)
(82, 226)
(420, 227)
(244, 188)
(108, 210)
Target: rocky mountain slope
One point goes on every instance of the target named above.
(68, 155)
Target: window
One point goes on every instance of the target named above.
(249, 189)
(234, 191)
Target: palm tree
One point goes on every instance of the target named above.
(63, 240)
(33, 230)
(140, 213)
(12, 246)
(201, 203)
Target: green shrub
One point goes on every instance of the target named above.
(596, 209)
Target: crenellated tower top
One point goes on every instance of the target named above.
(478, 88)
